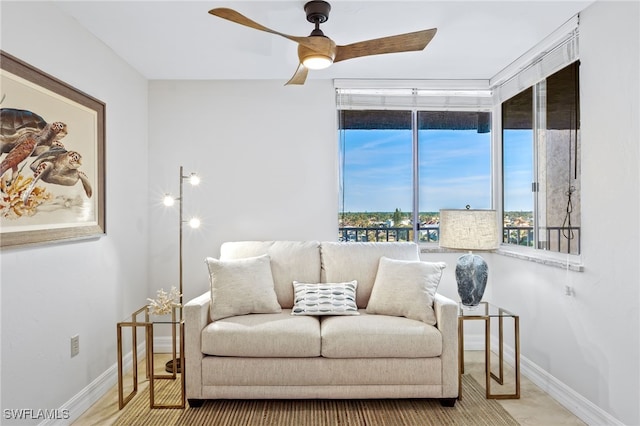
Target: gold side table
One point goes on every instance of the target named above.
(486, 312)
(175, 321)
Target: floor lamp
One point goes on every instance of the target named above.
(194, 222)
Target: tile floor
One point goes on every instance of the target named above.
(534, 407)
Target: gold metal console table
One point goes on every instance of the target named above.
(486, 312)
(175, 321)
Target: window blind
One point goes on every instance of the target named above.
(552, 54)
(413, 95)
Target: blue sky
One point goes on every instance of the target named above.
(518, 170)
(455, 170)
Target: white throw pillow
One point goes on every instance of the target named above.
(406, 288)
(325, 298)
(241, 286)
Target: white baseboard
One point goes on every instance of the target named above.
(581, 407)
(88, 396)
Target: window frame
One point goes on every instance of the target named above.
(470, 97)
(541, 255)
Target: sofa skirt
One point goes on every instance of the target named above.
(235, 377)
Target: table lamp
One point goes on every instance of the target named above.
(469, 230)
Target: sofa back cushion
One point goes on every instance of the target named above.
(290, 261)
(343, 262)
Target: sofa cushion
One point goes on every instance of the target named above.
(241, 286)
(343, 262)
(290, 261)
(263, 335)
(378, 336)
(325, 298)
(406, 288)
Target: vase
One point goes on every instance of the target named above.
(471, 274)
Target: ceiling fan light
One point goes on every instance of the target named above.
(317, 62)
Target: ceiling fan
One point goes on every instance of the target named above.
(318, 51)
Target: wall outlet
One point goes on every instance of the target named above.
(75, 345)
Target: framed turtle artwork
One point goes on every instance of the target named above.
(52, 158)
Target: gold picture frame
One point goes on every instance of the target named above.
(52, 158)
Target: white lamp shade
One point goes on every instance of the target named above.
(317, 62)
(469, 229)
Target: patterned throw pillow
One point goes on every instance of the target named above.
(325, 298)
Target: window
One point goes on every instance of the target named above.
(541, 171)
(400, 167)
(376, 176)
(517, 169)
(454, 149)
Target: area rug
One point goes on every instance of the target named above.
(472, 410)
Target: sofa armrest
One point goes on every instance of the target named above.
(446, 311)
(196, 317)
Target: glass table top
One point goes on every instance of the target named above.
(483, 310)
(146, 315)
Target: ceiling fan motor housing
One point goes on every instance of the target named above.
(325, 50)
(317, 11)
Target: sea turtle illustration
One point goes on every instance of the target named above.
(14, 123)
(60, 167)
(29, 144)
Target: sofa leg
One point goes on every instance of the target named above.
(195, 403)
(448, 402)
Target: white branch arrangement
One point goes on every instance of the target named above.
(165, 301)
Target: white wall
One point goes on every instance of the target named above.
(50, 293)
(590, 341)
(267, 155)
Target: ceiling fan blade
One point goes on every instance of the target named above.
(300, 76)
(409, 42)
(238, 18)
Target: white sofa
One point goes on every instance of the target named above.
(381, 352)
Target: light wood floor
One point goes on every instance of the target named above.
(534, 407)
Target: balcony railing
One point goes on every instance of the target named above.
(426, 235)
(559, 239)
(520, 235)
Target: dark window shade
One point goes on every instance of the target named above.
(563, 112)
(401, 120)
(517, 112)
(374, 120)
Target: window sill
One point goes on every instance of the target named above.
(556, 260)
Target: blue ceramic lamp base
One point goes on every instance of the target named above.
(471, 274)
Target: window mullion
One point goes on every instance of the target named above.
(416, 177)
(539, 163)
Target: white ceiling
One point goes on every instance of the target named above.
(180, 40)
